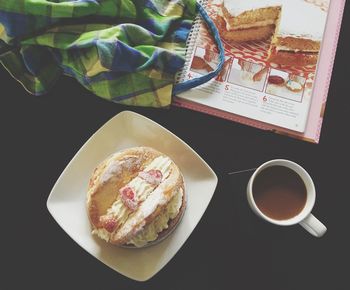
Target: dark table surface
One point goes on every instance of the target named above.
(229, 249)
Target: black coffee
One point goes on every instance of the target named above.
(279, 192)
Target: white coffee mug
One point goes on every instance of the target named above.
(304, 218)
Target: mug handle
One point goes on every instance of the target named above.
(313, 226)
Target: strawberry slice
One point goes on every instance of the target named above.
(128, 197)
(127, 192)
(153, 176)
(108, 223)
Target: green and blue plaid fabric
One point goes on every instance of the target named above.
(127, 51)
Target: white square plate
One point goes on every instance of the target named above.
(67, 200)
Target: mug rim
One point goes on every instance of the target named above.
(310, 194)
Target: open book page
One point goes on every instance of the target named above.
(272, 54)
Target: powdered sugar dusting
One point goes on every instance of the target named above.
(116, 167)
(152, 176)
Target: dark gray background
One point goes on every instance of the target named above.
(229, 249)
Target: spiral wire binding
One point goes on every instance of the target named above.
(190, 44)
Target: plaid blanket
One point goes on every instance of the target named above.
(127, 51)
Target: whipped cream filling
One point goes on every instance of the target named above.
(250, 25)
(142, 190)
(286, 48)
(141, 187)
(102, 233)
(151, 231)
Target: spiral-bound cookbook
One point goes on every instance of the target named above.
(279, 57)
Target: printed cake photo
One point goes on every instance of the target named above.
(294, 27)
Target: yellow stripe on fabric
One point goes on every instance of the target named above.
(154, 74)
(2, 31)
(174, 9)
(168, 45)
(164, 95)
(96, 69)
(3, 34)
(158, 75)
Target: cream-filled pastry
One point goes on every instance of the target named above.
(135, 197)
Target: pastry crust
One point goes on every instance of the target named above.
(116, 172)
(249, 34)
